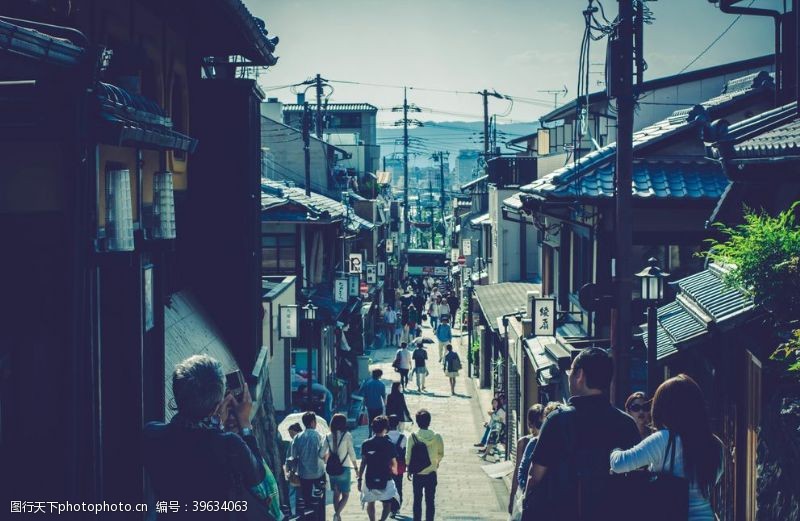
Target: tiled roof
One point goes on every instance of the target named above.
(496, 300)
(474, 182)
(783, 140)
(514, 202)
(561, 181)
(275, 194)
(333, 107)
(660, 179)
(704, 302)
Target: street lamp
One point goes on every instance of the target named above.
(309, 314)
(652, 280)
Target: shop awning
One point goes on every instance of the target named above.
(496, 300)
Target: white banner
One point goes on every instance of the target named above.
(288, 321)
(340, 291)
(466, 247)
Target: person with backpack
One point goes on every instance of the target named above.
(569, 476)
(444, 334)
(399, 441)
(341, 461)
(683, 446)
(420, 370)
(424, 453)
(452, 365)
(379, 463)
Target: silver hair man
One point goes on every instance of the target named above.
(198, 384)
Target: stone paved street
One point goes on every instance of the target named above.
(464, 492)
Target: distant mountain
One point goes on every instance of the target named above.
(449, 136)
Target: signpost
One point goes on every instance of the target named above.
(371, 277)
(352, 286)
(340, 291)
(466, 247)
(544, 317)
(356, 263)
(287, 321)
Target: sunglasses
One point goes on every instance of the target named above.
(639, 408)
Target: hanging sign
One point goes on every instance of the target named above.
(287, 322)
(544, 317)
(340, 291)
(355, 263)
(352, 286)
(454, 255)
(389, 246)
(371, 276)
(381, 269)
(466, 247)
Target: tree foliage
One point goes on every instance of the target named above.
(763, 255)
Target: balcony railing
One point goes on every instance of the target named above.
(512, 171)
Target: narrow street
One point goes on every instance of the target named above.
(464, 492)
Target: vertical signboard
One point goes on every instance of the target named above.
(381, 269)
(544, 317)
(340, 290)
(466, 247)
(352, 286)
(288, 321)
(355, 263)
(371, 276)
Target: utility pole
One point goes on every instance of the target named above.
(406, 108)
(318, 123)
(405, 168)
(441, 193)
(306, 140)
(485, 95)
(622, 68)
(430, 208)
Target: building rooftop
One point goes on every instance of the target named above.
(503, 298)
(333, 107)
(275, 195)
(580, 178)
(704, 303)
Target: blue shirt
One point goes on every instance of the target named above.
(444, 333)
(308, 453)
(374, 393)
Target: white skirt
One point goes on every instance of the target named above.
(369, 495)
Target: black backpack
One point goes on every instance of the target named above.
(334, 466)
(420, 459)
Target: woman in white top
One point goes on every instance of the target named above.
(340, 442)
(679, 413)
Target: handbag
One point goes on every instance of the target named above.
(664, 496)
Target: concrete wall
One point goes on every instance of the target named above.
(277, 348)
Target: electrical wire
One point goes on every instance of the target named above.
(718, 38)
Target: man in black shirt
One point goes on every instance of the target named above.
(379, 460)
(568, 477)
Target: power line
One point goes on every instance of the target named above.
(718, 38)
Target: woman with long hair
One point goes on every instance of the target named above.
(637, 407)
(534, 420)
(340, 443)
(396, 405)
(682, 425)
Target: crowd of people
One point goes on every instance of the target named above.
(582, 460)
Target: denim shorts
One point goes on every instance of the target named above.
(343, 481)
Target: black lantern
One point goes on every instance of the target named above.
(310, 311)
(652, 279)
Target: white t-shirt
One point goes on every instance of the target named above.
(346, 451)
(405, 358)
(394, 436)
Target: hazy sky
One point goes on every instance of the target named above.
(519, 47)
